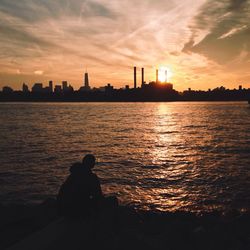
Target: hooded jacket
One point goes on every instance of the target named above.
(80, 194)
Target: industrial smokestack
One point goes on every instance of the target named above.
(166, 75)
(142, 76)
(134, 77)
(157, 74)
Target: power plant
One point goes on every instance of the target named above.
(135, 77)
(163, 75)
(160, 82)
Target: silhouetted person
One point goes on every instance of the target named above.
(81, 194)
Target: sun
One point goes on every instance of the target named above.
(164, 74)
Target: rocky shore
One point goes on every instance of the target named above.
(132, 229)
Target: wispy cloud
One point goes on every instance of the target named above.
(61, 38)
(225, 25)
(38, 72)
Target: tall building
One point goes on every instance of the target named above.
(86, 80)
(51, 86)
(86, 86)
(64, 86)
(157, 75)
(25, 88)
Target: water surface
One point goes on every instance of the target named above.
(165, 156)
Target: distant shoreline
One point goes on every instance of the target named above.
(149, 94)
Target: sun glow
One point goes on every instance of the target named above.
(164, 74)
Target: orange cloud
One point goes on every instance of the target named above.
(55, 40)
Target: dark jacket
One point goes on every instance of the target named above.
(80, 194)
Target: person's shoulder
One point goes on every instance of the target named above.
(75, 168)
(94, 176)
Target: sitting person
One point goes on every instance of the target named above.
(81, 194)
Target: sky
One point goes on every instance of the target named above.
(204, 43)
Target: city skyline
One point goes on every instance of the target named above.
(203, 43)
(162, 76)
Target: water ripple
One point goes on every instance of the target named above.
(164, 156)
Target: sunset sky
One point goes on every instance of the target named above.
(204, 43)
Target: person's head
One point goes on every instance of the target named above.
(88, 161)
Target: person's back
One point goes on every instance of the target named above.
(81, 193)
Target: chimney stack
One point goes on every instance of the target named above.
(134, 77)
(142, 76)
(166, 75)
(157, 73)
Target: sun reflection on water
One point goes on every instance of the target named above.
(166, 156)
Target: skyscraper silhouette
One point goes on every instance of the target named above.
(85, 86)
(25, 88)
(64, 85)
(51, 86)
(86, 80)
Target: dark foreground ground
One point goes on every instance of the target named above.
(134, 229)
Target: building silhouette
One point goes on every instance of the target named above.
(58, 89)
(7, 90)
(51, 86)
(109, 88)
(25, 88)
(37, 88)
(64, 86)
(86, 80)
(151, 91)
(86, 85)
